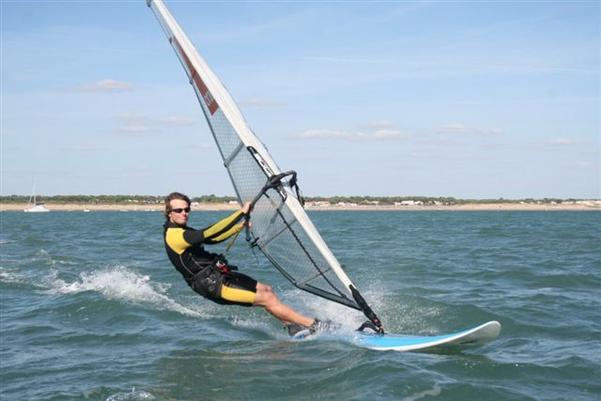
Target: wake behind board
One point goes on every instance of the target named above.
(398, 342)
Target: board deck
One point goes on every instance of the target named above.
(399, 342)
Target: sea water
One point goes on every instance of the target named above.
(91, 309)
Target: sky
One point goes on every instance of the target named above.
(465, 99)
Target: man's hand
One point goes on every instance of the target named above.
(246, 208)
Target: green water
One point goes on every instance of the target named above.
(92, 310)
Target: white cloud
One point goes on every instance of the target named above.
(584, 164)
(381, 124)
(388, 134)
(259, 103)
(346, 60)
(83, 148)
(134, 123)
(375, 135)
(327, 134)
(462, 129)
(201, 146)
(177, 121)
(135, 129)
(106, 85)
(138, 123)
(132, 118)
(563, 142)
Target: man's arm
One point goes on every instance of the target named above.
(217, 232)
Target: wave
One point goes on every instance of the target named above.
(10, 276)
(396, 315)
(133, 395)
(123, 284)
(433, 392)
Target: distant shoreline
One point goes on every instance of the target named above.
(75, 207)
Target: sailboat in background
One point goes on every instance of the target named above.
(33, 206)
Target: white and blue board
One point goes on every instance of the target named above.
(399, 342)
(473, 337)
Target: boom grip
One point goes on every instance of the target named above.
(273, 182)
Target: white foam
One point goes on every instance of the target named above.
(322, 309)
(435, 391)
(252, 322)
(44, 256)
(15, 276)
(133, 395)
(121, 283)
(395, 318)
(10, 276)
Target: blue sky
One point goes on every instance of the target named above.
(463, 99)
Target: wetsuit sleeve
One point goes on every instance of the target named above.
(217, 232)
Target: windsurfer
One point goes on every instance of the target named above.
(210, 275)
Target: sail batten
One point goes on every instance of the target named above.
(234, 153)
(280, 226)
(264, 242)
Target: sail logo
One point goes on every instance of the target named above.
(195, 79)
(208, 98)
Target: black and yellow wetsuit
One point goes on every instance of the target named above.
(204, 271)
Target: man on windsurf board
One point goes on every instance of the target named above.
(210, 275)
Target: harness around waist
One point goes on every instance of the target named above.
(216, 266)
(203, 273)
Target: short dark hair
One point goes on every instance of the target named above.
(172, 196)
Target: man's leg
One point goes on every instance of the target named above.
(267, 299)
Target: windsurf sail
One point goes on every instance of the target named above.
(280, 227)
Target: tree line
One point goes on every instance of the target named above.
(111, 199)
(359, 200)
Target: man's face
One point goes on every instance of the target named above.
(179, 205)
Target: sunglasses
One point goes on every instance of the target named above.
(179, 210)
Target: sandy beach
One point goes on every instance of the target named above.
(73, 207)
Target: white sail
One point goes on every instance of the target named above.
(280, 227)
